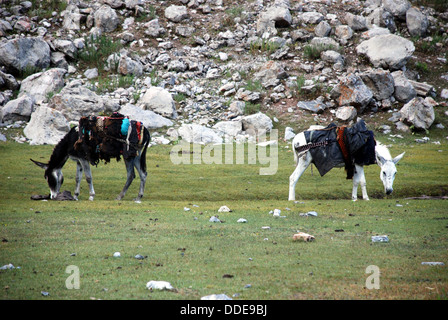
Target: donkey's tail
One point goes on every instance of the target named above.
(147, 139)
(296, 157)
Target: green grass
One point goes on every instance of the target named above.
(199, 257)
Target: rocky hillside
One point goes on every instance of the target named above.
(209, 70)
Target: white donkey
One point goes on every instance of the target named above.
(383, 159)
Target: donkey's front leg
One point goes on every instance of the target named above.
(359, 178)
(302, 164)
(78, 179)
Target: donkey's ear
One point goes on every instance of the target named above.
(40, 164)
(398, 158)
(379, 159)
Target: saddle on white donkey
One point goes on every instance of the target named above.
(332, 146)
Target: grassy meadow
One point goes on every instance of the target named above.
(242, 260)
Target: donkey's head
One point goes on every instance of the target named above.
(388, 167)
(53, 176)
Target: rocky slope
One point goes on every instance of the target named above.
(211, 70)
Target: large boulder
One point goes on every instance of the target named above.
(397, 7)
(387, 51)
(47, 126)
(274, 17)
(41, 85)
(257, 124)
(176, 13)
(195, 133)
(419, 112)
(24, 54)
(160, 101)
(106, 19)
(129, 66)
(380, 82)
(416, 22)
(229, 129)
(150, 119)
(72, 18)
(75, 101)
(404, 90)
(351, 91)
(381, 18)
(19, 109)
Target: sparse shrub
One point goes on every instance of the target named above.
(313, 51)
(97, 49)
(252, 108)
(264, 46)
(254, 85)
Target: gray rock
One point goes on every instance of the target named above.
(343, 32)
(381, 18)
(106, 19)
(22, 54)
(351, 91)
(66, 46)
(43, 84)
(128, 66)
(229, 129)
(323, 29)
(150, 119)
(195, 133)
(91, 73)
(176, 13)
(160, 101)
(19, 109)
(257, 124)
(397, 7)
(416, 22)
(8, 81)
(75, 101)
(419, 112)
(314, 106)
(272, 18)
(403, 90)
(346, 113)
(312, 17)
(357, 23)
(380, 82)
(153, 28)
(47, 126)
(289, 133)
(72, 18)
(387, 51)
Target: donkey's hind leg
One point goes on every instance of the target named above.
(303, 163)
(143, 174)
(130, 176)
(78, 179)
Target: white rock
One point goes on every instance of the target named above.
(160, 101)
(224, 209)
(159, 285)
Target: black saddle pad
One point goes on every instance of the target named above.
(361, 146)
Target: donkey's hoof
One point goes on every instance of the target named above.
(90, 198)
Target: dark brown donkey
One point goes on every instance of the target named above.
(96, 139)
